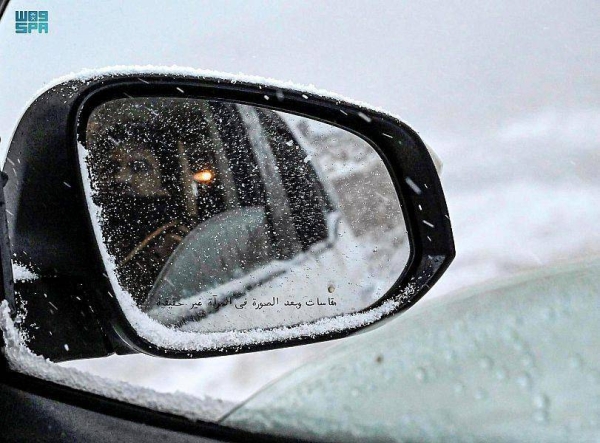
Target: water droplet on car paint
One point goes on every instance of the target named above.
(541, 416)
(528, 360)
(518, 346)
(541, 401)
(459, 387)
(549, 314)
(576, 362)
(524, 380)
(449, 355)
(421, 374)
(594, 376)
(480, 394)
(486, 363)
(501, 374)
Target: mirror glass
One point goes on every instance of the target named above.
(218, 216)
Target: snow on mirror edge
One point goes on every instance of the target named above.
(21, 359)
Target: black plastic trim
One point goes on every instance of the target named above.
(131, 417)
(3, 5)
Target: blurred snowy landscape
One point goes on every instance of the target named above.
(508, 95)
(514, 208)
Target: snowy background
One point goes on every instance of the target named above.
(507, 93)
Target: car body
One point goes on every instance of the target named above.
(511, 360)
(515, 361)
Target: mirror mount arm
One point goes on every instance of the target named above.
(91, 343)
(6, 275)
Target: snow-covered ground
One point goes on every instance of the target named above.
(523, 197)
(353, 170)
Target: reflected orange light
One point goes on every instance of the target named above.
(205, 176)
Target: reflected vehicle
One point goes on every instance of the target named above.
(218, 216)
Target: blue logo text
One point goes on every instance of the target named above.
(27, 22)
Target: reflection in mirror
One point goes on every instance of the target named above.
(220, 216)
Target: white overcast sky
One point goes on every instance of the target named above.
(450, 68)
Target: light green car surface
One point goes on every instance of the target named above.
(516, 361)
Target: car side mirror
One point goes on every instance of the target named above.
(192, 214)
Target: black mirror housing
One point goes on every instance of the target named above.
(51, 230)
